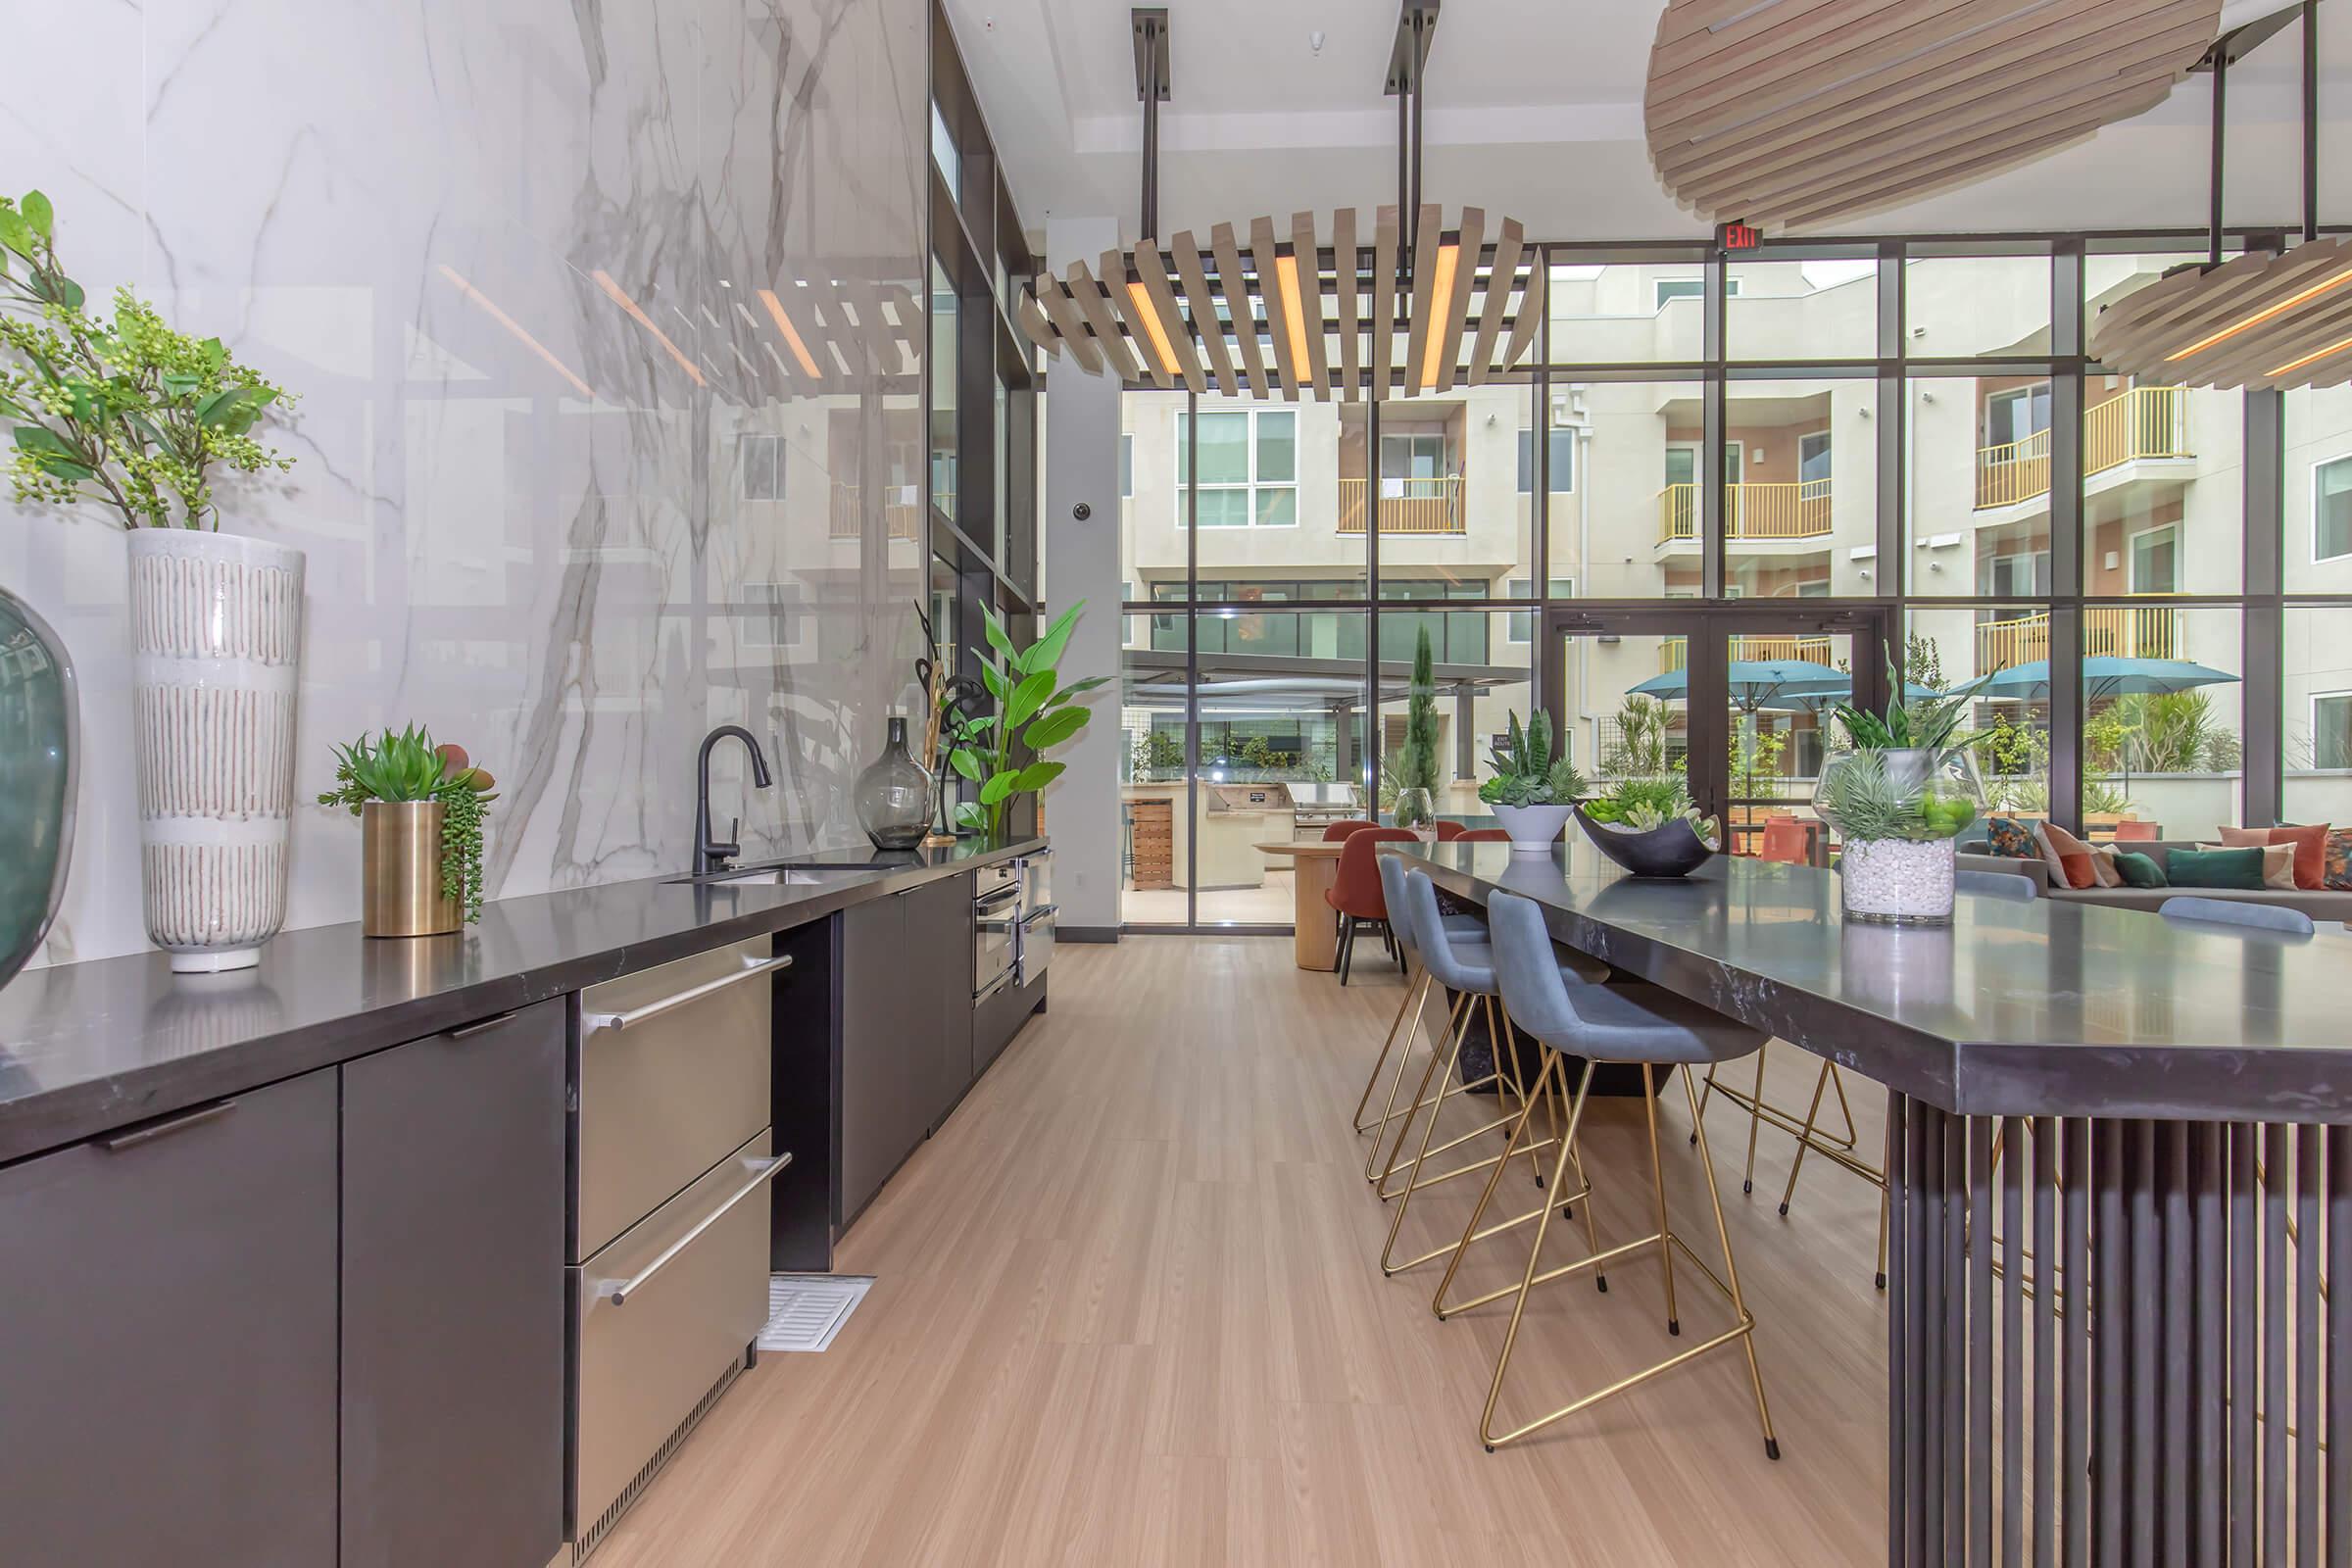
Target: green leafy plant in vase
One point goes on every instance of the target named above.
(421, 808)
(125, 415)
(1900, 791)
(1000, 752)
(1532, 792)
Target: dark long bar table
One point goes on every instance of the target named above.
(2119, 1169)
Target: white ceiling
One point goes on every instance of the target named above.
(1534, 111)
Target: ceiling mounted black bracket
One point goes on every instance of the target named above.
(1151, 28)
(1404, 73)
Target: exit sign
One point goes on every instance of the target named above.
(1739, 236)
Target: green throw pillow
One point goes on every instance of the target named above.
(2138, 870)
(2214, 869)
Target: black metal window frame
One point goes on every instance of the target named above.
(2262, 601)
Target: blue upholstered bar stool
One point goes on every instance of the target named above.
(1467, 969)
(1459, 928)
(1996, 885)
(2229, 912)
(1641, 1024)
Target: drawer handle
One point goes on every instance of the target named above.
(470, 1030)
(166, 1126)
(619, 1291)
(654, 1010)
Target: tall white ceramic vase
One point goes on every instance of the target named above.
(215, 625)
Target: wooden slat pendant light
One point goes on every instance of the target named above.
(1797, 113)
(1150, 314)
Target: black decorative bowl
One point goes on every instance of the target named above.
(1674, 849)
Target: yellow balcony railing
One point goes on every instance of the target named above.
(2120, 632)
(2143, 421)
(1432, 506)
(1674, 653)
(1786, 510)
(846, 517)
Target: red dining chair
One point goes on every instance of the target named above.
(1448, 832)
(2139, 832)
(1338, 831)
(1485, 835)
(1786, 840)
(1355, 887)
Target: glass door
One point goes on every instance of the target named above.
(1735, 702)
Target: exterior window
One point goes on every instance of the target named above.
(2022, 575)
(944, 153)
(1521, 628)
(2331, 730)
(1412, 455)
(2156, 561)
(1248, 468)
(1681, 465)
(2332, 510)
(1813, 456)
(762, 468)
(2017, 413)
(1126, 466)
(1563, 462)
(1686, 288)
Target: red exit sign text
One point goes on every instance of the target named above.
(1739, 236)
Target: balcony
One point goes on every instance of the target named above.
(1788, 510)
(2144, 421)
(1408, 507)
(846, 518)
(1674, 653)
(2132, 631)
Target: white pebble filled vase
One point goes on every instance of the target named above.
(1898, 881)
(217, 636)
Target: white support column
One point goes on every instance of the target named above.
(1081, 560)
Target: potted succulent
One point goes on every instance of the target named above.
(1900, 791)
(420, 809)
(1531, 792)
(999, 751)
(1651, 826)
(132, 417)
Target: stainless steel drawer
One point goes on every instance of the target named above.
(664, 1313)
(673, 1076)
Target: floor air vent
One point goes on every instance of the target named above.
(805, 1310)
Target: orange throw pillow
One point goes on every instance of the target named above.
(2311, 852)
(2077, 865)
(2069, 856)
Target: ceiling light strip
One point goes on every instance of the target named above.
(1306, 302)
(1419, 365)
(791, 334)
(490, 309)
(1265, 262)
(604, 280)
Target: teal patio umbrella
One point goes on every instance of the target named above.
(2104, 676)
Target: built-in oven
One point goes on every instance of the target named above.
(996, 928)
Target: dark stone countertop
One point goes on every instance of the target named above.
(87, 1047)
(2052, 1007)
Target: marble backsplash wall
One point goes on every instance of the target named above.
(569, 492)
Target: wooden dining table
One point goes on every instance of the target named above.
(1314, 924)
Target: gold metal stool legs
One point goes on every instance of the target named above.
(1416, 999)
(1472, 1233)
(1742, 1330)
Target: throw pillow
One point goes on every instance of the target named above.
(2102, 866)
(2138, 870)
(2073, 866)
(2011, 839)
(2278, 862)
(2057, 843)
(2311, 851)
(2214, 869)
(2338, 876)
(2244, 838)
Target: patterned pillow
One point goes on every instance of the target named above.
(2338, 876)
(2011, 839)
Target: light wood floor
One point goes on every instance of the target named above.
(1127, 1311)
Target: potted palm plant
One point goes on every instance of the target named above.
(1531, 792)
(134, 419)
(1900, 791)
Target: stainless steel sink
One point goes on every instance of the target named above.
(769, 876)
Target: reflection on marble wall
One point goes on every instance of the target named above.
(569, 491)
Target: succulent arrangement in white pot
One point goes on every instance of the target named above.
(1900, 791)
(1532, 793)
(132, 417)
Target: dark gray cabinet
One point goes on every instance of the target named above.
(881, 1121)
(453, 1297)
(169, 1334)
(906, 1028)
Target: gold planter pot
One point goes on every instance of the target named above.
(400, 870)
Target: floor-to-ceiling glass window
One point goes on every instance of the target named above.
(1907, 434)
